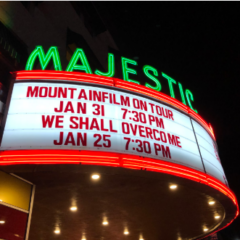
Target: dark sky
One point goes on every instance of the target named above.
(197, 44)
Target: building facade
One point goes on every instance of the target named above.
(78, 193)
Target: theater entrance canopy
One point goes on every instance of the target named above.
(113, 159)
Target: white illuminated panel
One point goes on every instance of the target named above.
(209, 153)
(100, 119)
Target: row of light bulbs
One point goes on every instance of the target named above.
(126, 232)
(105, 222)
(211, 202)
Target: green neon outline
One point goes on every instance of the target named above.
(44, 59)
(189, 93)
(170, 82)
(127, 70)
(182, 93)
(79, 54)
(111, 67)
(147, 68)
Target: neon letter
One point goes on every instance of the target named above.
(189, 96)
(111, 67)
(127, 70)
(170, 82)
(182, 93)
(79, 54)
(146, 68)
(44, 59)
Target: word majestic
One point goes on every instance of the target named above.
(79, 55)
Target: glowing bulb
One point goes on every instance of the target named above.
(105, 222)
(0, 200)
(205, 229)
(173, 186)
(2, 222)
(141, 237)
(95, 176)
(83, 238)
(211, 202)
(73, 209)
(217, 217)
(57, 231)
(126, 232)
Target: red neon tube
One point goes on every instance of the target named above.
(111, 159)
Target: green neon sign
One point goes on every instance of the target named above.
(190, 98)
(111, 67)
(80, 62)
(79, 55)
(146, 70)
(171, 81)
(126, 70)
(182, 93)
(44, 59)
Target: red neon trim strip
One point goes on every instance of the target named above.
(111, 159)
(62, 75)
(91, 78)
(114, 160)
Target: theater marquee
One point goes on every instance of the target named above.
(66, 111)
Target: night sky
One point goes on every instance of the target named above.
(197, 44)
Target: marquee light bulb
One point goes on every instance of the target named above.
(211, 202)
(173, 186)
(105, 222)
(2, 222)
(217, 217)
(57, 231)
(73, 208)
(126, 232)
(141, 237)
(95, 176)
(205, 229)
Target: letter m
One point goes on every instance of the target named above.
(32, 92)
(172, 140)
(166, 152)
(44, 58)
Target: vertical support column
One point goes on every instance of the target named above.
(30, 213)
(198, 145)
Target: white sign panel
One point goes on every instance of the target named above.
(209, 153)
(70, 116)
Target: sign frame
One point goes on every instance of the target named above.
(99, 82)
(200, 179)
(104, 83)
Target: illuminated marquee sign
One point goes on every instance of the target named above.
(72, 115)
(127, 68)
